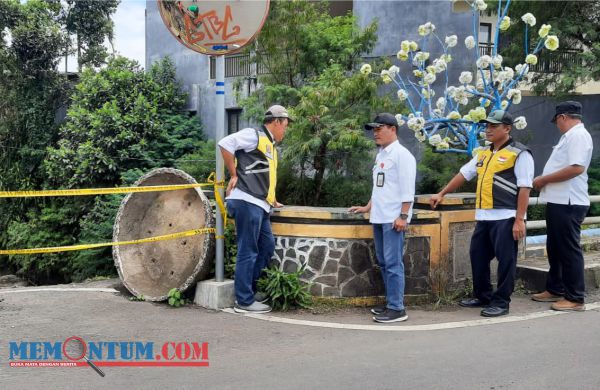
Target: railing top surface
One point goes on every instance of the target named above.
(337, 213)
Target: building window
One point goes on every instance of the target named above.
(485, 33)
(233, 120)
(340, 7)
(485, 39)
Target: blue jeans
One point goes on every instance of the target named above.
(389, 245)
(255, 247)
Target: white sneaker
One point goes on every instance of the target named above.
(261, 297)
(256, 308)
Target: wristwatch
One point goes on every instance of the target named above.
(404, 216)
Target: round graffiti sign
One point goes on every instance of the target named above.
(214, 27)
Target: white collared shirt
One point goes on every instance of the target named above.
(397, 171)
(245, 140)
(574, 148)
(524, 169)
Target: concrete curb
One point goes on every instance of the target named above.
(413, 328)
(58, 289)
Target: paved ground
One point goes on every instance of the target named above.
(539, 350)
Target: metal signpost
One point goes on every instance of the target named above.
(216, 28)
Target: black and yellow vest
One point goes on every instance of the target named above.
(496, 180)
(257, 169)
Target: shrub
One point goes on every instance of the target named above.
(285, 290)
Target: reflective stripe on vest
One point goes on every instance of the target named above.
(496, 179)
(257, 169)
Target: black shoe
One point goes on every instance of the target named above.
(377, 310)
(494, 311)
(471, 302)
(390, 315)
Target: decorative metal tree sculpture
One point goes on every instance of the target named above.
(440, 121)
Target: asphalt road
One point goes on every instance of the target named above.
(556, 352)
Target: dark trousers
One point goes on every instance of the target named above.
(566, 275)
(494, 239)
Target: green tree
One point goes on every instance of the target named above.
(312, 60)
(89, 21)
(122, 118)
(436, 169)
(32, 42)
(32, 91)
(577, 25)
(121, 123)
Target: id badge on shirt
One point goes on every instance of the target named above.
(380, 179)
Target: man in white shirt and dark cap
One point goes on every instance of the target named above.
(250, 157)
(563, 187)
(390, 208)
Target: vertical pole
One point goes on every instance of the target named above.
(219, 134)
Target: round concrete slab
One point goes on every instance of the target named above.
(152, 269)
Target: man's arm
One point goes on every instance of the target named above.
(524, 168)
(563, 174)
(457, 181)
(360, 209)
(229, 160)
(519, 229)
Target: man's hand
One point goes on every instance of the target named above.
(358, 209)
(400, 224)
(539, 183)
(278, 205)
(231, 185)
(435, 200)
(518, 229)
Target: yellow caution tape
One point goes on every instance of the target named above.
(99, 191)
(211, 181)
(219, 184)
(55, 249)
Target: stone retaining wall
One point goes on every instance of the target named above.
(348, 267)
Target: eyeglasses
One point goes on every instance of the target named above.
(556, 117)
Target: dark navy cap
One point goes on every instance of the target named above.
(382, 119)
(570, 107)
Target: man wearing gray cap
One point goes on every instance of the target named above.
(563, 187)
(390, 210)
(251, 159)
(504, 171)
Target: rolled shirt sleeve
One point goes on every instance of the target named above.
(524, 169)
(245, 139)
(407, 175)
(469, 170)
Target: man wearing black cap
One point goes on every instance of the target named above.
(390, 210)
(504, 171)
(251, 159)
(563, 187)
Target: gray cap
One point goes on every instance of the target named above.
(498, 116)
(277, 111)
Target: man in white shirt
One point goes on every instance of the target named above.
(504, 171)
(563, 187)
(251, 159)
(390, 208)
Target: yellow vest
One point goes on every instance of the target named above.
(257, 169)
(266, 147)
(496, 180)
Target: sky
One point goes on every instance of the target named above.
(129, 29)
(129, 39)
